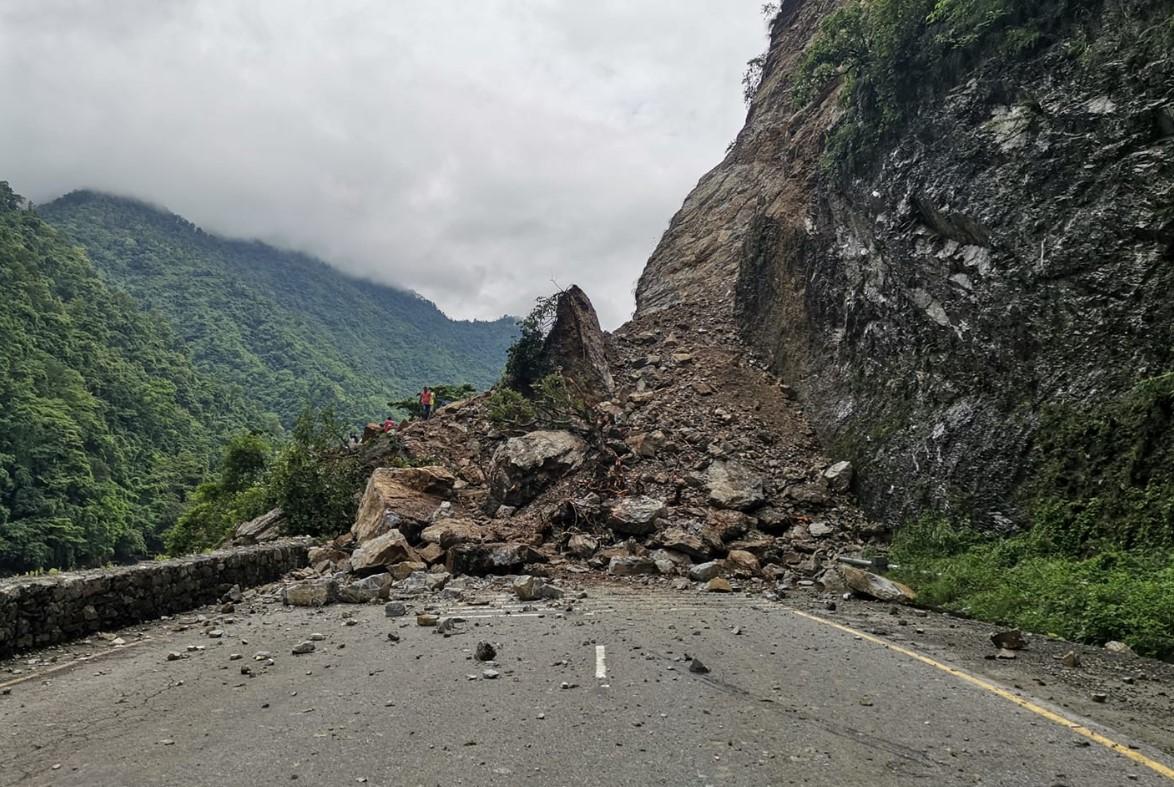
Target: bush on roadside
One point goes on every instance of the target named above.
(1023, 580)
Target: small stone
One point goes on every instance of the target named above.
(395, 609)
(427, 619)
(173, 656)
(1070, 659)
(1099, 696)
(718, 585)
(303, 647)
(234, 657)
(697, 666)
(568, 685)
(485, 652)
(117, 641)
(316, 637)
(1005, 653)
(215, 634)
(490, 674)
(1113, 646)
(392, 636)
(1012, 639)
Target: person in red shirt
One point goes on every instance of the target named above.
(389, 424)
(426, 402)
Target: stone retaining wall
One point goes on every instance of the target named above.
(40, 611)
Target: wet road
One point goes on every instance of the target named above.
(599, 694)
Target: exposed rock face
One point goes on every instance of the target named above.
(575, 345)
(1011, 251)
(524, 466)
(403, 499)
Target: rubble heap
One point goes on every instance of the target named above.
(698, 468)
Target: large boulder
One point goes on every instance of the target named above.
(875, 586)
(732, 485)
(310, 593)
(363, 591)
(575, 346)
(635, 515)
(680, 540)
(523, 466)
(385, 550)
(493, 558)
(451, 531)
(264, 528)
(401, 498)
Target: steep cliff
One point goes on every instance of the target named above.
(996, 268)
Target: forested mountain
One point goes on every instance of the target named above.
(104, 420)
(284, 326)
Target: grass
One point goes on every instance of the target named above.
(1023, 580)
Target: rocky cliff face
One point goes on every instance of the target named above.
(1012, 251)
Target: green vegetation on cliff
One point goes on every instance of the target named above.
(893, 55)
(1098, 561)
(285, 328)
(104, 421)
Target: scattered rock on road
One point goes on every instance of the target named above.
(1012, 639)
(485, 652)
(875, 586)
(530, 588)
(303, 648)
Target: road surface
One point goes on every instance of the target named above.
(598, 694)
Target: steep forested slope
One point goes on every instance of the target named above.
(104, 421)
(285, 326)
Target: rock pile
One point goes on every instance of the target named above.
(697, 467)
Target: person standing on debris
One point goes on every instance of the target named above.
(388, 425)
(426, 402)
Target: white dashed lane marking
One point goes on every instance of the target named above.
(600, 662)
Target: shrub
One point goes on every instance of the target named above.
(316, 483)
(524, 364)
(509, 410)
(237, 494)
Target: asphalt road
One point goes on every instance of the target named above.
(600, 694)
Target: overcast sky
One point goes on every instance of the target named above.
(471, 151)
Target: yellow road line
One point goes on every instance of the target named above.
(993, 688)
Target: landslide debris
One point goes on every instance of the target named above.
(697, 467)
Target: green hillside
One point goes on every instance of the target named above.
(104, 420)
(285, 327)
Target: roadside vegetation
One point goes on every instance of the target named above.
(1097, 563)
(530, 394)
(311, 477)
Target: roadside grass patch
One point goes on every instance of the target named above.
(1022, 580)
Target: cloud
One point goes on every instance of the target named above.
(471, 151)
